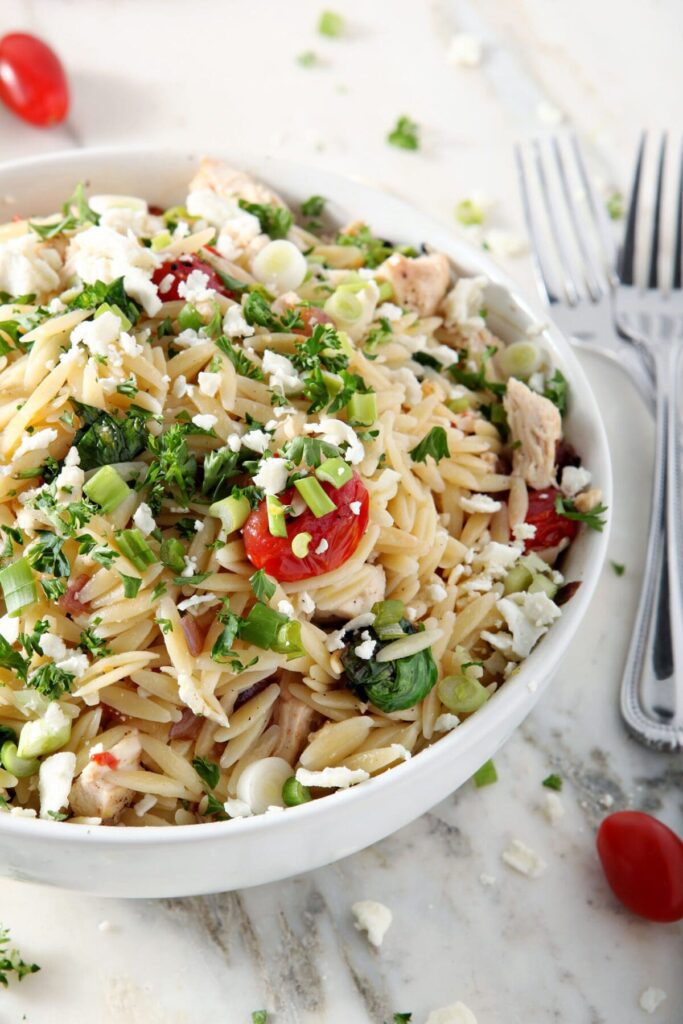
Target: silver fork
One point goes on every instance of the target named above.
(579, 296)
(575, 261)
(652, 687)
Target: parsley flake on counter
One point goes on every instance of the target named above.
(553, 782)
(619, 568)
(11, 962)
(405, 134)
(486, 775)
(307, 59)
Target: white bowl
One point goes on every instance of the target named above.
(220, 856)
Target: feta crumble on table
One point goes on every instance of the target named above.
(465, 50)
(523, 859)
(457, 1013)
(553, 808)
(651, 998)
(373, 918)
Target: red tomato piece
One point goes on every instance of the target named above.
(643, 863)
(311, 316)
(33, 83)
(180, 270)
(341, 530)
(551, 527)
(105, 759)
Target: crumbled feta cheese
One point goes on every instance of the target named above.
(388, 311)
(98, 334)
(235, 443)
(457, 1013)
(180, 386)
(355, 507)
(283, 377)
(211, 207)
(322, 547)
(106, 926)
(53, 646)
(102, 254)
(195, 287)
(9, 628)
(523, 859)
(528, 617)
(205, 420)
(234, 324)
(189, 338)
(76, 663)
(487, 880)
(35, 442)
(237, 808)
(337, 432)
(574, 479)
(55, 306)
(306, 603)
(190, 566)
(465, 50)
(463, 304)
(27, 265)
(366, 649)
(373, 918)
(331, 778)
(413, 389)
(553, 808)
(446, 722)
(54, 781)
(198, 525)
(256, 441)
(166, 284)
(197, 601)
(479, 503)
(145, 804)
(272, 476)
(209, 383)
(129, 345)
(437, 592)
(524, 531)
(651, 998)
(238, 233)
(144, 520)
(497, 558)
(548, 113)
(286, 608)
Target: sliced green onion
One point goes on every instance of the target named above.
(344, 305)
(346, 345)
(161, 241)
(335, 472)
(388, 615)
(301, 544)
(541, 584)
(189, 318)
(172, 554)
(293, 793)
(45, 735)
(22, 767)
(261, 626)
(330, 24)
(277, 526)
(467, 212)
(520, 359)
(333, 382)
(386, 290)
(363, 409)
(176, 213)
(233, 512)
(459, 404)
(107, 489)
(315, 497)
(18, 586)
(134, 547)
(486, 775)
(518, 578)
(461, 694)
(107, 308)
(288, 640)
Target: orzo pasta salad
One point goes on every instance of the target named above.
(277, 508)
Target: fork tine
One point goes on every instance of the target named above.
(595, 280)
(537, 251)
(653, 275)
(627, 254)
(568, 281)
(678, 239)
(599, 213)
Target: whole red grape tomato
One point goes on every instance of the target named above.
(33, 83)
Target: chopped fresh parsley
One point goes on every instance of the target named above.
(593, 519)
(243, 365)
(262, 585)
(257, 312)
(53, 589)
(11, 962)
(424, 359)
(31, 641)
(51, 681)
(553, 782)
(128, 388)
(476, 380)
(275, 221)
(114, 294)
(104, 556)
(402, 1018)
(46, 555)
(57, 815)
(377, 336)
(93, 644)
(405, 134)
(323, 350)
(12, 660)
(435, 444)
(131, 585)
(76, 212)
(374, 250)
(173, 469)
(619, 568)
(309, 451)
(556, 391)
(208, 771)
(165, 625)
(159, 591)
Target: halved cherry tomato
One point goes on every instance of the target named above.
(551, 527)
(33, 83)
(311, 317)
(643, 863)
(341, 531)
(180, 270)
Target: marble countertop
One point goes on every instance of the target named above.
(517, 951)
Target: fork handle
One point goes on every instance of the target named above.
(652, 687)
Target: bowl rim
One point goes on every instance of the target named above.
(521, 688)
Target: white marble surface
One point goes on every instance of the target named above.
(519, 951)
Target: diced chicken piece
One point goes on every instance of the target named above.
(418, 284)
(536, 423)
(373, 590)
(94, 795)
(231, 183)
(296, 721)
(587, 500)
